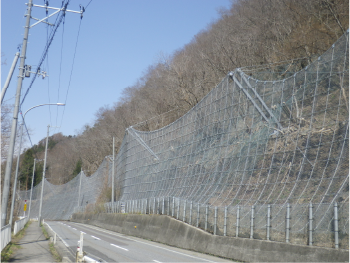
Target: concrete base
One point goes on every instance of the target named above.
(167, 230)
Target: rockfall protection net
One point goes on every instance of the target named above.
(263, 136)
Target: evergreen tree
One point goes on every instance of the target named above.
(26, 169)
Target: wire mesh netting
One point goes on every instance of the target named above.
(264, 136)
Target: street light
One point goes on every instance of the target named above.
(19, 154)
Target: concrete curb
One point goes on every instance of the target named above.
(167, 230)
(61, 249)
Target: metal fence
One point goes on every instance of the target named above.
(324, 225)
(19, 225)
(265, 137)
(5, 236)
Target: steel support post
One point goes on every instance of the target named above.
(198, 211)
(225, 221)
(168, 206)
(172, 211)
(252, 223)
(310, 224)
(237, 221)
(268, 223)
(163, 207)
(206, 218)
(178, 210)
(336, 230)
(184, 213)
(215, 219)
(154, 205)
(190, 219)
(287, 223)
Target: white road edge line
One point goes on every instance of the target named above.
(96, 238)
(74, 228)
(120, 247)
(64, 242)
(112, 233)
(157, 261)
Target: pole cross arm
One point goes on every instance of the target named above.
(64, 9)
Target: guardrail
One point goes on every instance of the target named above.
(19, 225)
(5, 236)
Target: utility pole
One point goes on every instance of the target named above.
(31, 189)
(16, 177)
(81, 174)
(23, 70)
(43, 179)
(113, 175)
(3, 91)
(6, 188)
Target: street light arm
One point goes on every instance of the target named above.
(58, 104)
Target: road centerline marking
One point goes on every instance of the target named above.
(96, 237)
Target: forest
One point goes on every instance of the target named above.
(250, 32)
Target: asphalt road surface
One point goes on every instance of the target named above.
(108, 246)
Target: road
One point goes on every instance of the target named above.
(108, 246)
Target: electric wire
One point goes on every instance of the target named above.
(52, 34)
(47, 65)
(60, 72)
(70, 77)
(88, 4)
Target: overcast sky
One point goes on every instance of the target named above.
(118, 40)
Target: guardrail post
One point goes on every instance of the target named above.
(336, 230)
(190, 219)
(225, 221)
(206, 218)
(163, 207)
(184, 214)
(310, 224)
(215, 219)
(198, 211)
(268, 223)
(252, 223)
(287, 223)
(237, 221)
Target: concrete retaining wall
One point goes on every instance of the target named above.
(167, 230)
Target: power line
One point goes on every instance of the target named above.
(70, 77)
(53, 32)
(59, 77)
(88, 4)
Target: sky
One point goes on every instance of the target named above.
(91, 60)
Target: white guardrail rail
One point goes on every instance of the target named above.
(19, 225)
(5, 236)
